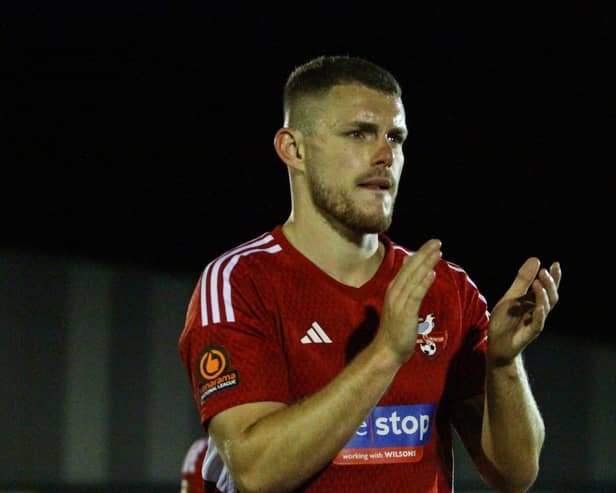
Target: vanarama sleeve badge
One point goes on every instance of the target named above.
(214, 371)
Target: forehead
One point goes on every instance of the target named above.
(354, 102)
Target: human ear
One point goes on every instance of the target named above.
(289, 146)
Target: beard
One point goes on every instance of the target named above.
(339, 209)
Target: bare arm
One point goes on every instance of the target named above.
(512, 423)
(513, 430)
(504, 431)
(273, 447)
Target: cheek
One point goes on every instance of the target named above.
(351, 159)
(398, 165)
(336, 162)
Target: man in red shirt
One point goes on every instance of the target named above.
(192, 470)
(325, 357)
(192, 480)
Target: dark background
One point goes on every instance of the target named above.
(141, 133)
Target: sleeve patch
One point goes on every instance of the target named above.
(215, 372)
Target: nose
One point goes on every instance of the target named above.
(384, 155)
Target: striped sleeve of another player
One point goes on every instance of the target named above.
(216, 292)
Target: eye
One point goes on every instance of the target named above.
(395, 138)
(356, 134)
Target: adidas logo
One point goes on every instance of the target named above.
(315, 334)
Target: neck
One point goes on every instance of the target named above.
(348, 257)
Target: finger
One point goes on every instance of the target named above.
(530, 331)
(525, 277)
(414, 262)
(550, 287)
(556, 273)
(424, 251)
(414, 284)
(541, 308)
(541, 295)
(534, 319)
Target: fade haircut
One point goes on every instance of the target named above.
(317, 76)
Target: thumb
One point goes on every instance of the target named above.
(525, 277)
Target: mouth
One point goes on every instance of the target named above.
(377, 183)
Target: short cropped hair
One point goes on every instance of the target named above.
(319, 75)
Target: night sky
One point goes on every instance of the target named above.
(142, 134)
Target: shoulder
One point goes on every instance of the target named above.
(397, 249)
(238, 279)
(245, 261)
(445, 269)
(194, 456)
(248, 253)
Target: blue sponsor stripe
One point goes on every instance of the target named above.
(395, 426)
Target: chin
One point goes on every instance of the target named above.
(371, 225)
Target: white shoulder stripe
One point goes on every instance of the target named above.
(455, 267)
(398, 247)
(468, 279)
(204, 278)
(204, 319)
(209, 290)
(214, 266)
(226, 286)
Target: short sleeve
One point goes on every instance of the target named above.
(231, 346)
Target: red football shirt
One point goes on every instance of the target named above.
(192, 481)
(266, 324)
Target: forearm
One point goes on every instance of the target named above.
(513, 430)
(288, 446)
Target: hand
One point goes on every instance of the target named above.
(398, 327)
(519, 316)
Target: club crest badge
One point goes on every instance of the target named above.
(427, 339)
